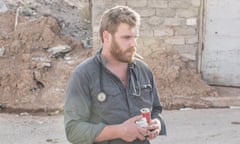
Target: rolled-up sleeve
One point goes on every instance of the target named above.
(77, 110)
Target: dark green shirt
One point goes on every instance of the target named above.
(86, 112)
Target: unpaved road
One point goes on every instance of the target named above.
(206, 126)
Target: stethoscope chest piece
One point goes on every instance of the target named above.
(101, 97)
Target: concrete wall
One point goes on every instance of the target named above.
(166, 25)
(220, 57)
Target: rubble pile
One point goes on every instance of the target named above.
(40, 47)
(179, 85)
(36, 62)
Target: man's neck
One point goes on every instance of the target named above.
(116, 67)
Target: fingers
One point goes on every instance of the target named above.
(140, 137)
(143, 131)
(132, 130)
(155, 121)
(135, 118)
(153, 134)
(155, 124)
(154, 129)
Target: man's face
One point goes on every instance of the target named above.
(123, 44)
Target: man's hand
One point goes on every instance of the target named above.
(154, 129)
(129, 130)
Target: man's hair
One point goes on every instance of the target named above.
(119, 14)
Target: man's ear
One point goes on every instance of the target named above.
(106, 36)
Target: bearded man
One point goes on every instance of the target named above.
(107, 91)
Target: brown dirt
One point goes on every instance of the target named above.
(34, 78)
(31, 77)
(178, 84)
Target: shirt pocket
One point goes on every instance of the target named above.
(110, 104)
(146, 98)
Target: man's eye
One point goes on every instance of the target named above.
(127, 37)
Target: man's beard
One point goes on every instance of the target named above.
(120, 55)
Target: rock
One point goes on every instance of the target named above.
(185, 109)
(41, 62)
(2, 106)
(235, 122)
(51, 140)
(24, 114)
(54, 113)
(2, 50)
(59, 51)
(28, 12)
(87, 43)
(234, 107)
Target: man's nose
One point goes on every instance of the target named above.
(133, 42)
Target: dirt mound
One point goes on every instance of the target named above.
(179, 85)
(36, 62)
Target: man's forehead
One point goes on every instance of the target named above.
(126, 29)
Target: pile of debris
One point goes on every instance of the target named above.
(38, 54)
(180, 85)
(36, 62)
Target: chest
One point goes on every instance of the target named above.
(114, 103)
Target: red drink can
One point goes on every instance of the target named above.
(146, 113)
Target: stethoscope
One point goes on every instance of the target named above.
(101, 96)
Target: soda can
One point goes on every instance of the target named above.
(146, 113)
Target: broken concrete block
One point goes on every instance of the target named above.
(59, 51)
(2, 50)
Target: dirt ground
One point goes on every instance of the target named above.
(40, 52)
(202, 126)
(41, 42)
